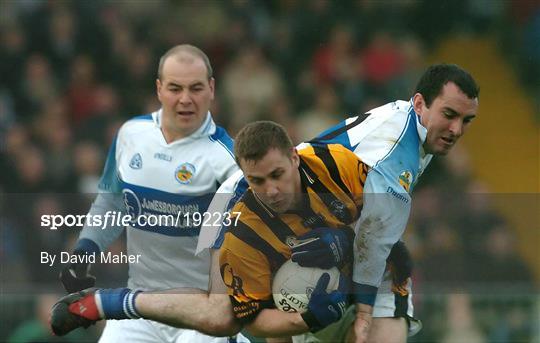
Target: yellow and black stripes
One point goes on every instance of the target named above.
(332, 179)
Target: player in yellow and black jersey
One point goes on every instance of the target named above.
(291, 192)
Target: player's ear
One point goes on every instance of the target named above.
(212, 85)
(158, 88)
(295, 158)
(419, 103)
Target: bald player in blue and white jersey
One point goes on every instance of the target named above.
(167, 163)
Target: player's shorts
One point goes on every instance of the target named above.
(148, 331)
(387, 305)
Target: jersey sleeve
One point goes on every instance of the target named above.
(381, 224)
(224, 164)
(228, 194)
(110, 181)
(97, 231)
(247, 275)
(103, 232)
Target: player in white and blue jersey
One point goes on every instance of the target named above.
(162, 170)
(397, 142)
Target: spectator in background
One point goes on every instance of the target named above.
(53, 132)
(499, 263)
(251, 83)
(138, 80)
(335, 60)
(323, 114)
(443, 264)
(381, 61)
(13, 57)
(62, 42)
(87, 162)
(38, 85)
(461, 323)
(82, 88)
(106, 111)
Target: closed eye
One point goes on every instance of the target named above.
(256, 181)
(276, 175)
(467, 120)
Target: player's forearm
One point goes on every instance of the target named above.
(362, 323)
(190, 308)
(100, 226)
(275, 323)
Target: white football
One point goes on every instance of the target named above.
(292, 285)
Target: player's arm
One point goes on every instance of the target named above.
(323, 309)
(210, 313)
(381, 224)
(246, 273)
(99, 231)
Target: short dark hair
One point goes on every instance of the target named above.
(189, 49)
(255, 139)
(436, 76)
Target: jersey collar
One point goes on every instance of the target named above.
(207, 128)
(422, 134)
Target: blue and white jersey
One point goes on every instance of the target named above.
(389, 140)
(161, 186)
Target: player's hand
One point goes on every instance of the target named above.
(75, 277)
(401, 264)
(81, 309)
(73, 311)
(324, 248)
(325, 308)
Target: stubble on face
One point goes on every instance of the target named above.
(185, 94)
(447, 118)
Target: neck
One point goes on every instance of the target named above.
(172, 135)
(298, 194)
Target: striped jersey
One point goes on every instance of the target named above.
(389, 140)
(260, 240)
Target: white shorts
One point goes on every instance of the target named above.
(390, 305)
(148, 331)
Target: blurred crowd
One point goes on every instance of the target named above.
(73, 72)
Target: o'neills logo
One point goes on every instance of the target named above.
(298, 304)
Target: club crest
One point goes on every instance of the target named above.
(405, 180)
(184, 173)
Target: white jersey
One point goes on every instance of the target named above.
(389, 140)
(162, 185)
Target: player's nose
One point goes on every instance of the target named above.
(272, 190)
(456, 128)
(184, 98)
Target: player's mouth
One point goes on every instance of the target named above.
(448, 141)
(185, 113)
(277, 204)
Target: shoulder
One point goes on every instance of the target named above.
(328, 154)
(137, 124)
(222, 138)
(387, 128)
